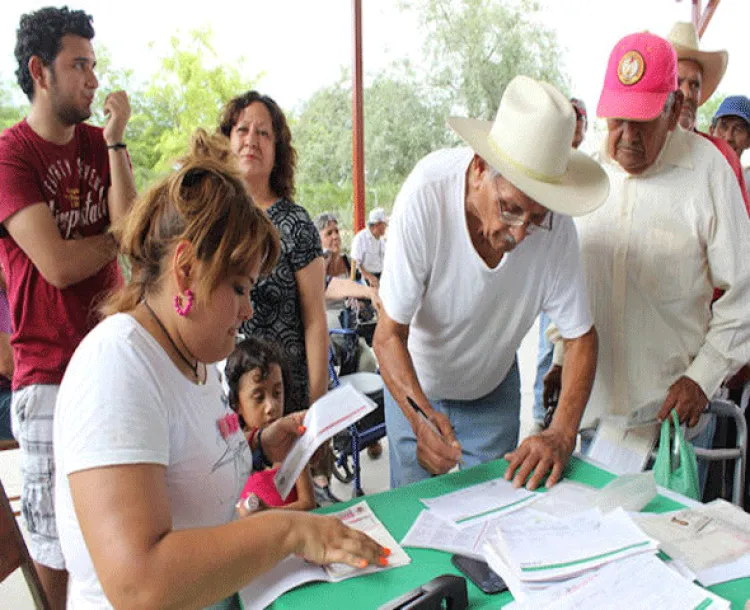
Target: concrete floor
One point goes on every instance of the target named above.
(375, 475)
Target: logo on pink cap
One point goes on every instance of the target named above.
(631, 67)
(641, 73)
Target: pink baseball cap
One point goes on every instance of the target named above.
(641, 73)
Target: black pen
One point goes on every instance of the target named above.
(419, 411)
(427, 420)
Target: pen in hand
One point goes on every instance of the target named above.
(427, 420)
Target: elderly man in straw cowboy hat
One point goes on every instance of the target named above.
(481, 242)
(698, 74)
(671, 231)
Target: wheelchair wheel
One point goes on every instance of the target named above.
(342, 469)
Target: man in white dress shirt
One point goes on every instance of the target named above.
(673, 229)
(368, 247)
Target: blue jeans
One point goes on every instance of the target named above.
(486, 427)
(5, 399)
(543, 364)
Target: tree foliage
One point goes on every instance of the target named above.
(707, 111)
(475, 47)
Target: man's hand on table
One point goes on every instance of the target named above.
(538, 455)
(687, 397)
(436, 454)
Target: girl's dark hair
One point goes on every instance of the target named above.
(281, 180)
(41, 33)
(205, 203)
(255, 353)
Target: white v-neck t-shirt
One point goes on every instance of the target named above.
(466, 319)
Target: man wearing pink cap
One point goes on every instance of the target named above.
(672, 229)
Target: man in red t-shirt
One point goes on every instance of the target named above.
(62, 183)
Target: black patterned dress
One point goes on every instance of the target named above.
(278, 314)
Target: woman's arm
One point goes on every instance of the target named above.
(339, 288)
(311, 286)
(141, 562)
(6, 356)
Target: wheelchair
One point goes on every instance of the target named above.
(371, 428)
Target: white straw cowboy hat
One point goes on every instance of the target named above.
(684, 40)
(530, 144)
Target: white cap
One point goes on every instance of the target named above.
(376, 216)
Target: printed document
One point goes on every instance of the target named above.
(643, 582)
(570, 546)
(483, 502)
(621, 449)
(431, 532)
(328, 415)
(702, 537)
(294, 571)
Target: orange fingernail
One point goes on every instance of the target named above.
(301, 429)
(386, 551)
(362, 563)
(383, 561)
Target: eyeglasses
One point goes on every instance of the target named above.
(518, 220)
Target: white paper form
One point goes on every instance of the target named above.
(431, 532)
(701, 537)
(360, 517)
(293, 571)
(621, 449)
(328, 415)
(470, 505)
(638, 583)
(570, 546)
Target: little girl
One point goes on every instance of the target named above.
(258, 380)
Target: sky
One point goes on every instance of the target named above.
(302, 45)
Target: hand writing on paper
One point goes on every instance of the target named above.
(324, 540)
(687, 398)
(436, 454)
(547, 452)
(279, 436)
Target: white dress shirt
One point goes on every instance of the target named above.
(652, 255)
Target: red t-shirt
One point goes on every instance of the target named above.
(73, 179)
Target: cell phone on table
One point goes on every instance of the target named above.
(478, 572)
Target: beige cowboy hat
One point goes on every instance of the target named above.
(684, 40)
(530, 144)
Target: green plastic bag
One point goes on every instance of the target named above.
(676, 466)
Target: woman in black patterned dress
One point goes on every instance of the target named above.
(290, 303)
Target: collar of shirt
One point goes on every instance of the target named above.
(676, 151)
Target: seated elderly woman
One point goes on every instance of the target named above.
(340, 290)
(150, 459)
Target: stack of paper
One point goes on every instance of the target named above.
(642, 582)
(431, 532)
(531, 557)
(294, 571)
(712, 540)
(479, 503)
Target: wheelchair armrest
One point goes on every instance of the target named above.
(341, 331)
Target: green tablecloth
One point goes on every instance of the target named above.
(398, 509)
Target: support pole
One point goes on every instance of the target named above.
(358, 124)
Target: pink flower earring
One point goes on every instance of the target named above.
(183, 311)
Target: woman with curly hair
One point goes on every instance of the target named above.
(290, 303)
